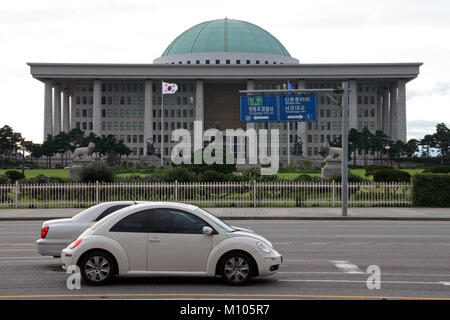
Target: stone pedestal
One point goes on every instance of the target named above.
(332, 167)
(76, 166)
(151, 160)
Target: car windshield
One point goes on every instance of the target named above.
(221, 224)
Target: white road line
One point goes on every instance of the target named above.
(346, 266)
(361, 281)
(383, 274)
(445, 283)
(18, 257)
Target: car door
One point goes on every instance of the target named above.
(176, 241)
(131, 233)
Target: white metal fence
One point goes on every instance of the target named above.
(219, 194)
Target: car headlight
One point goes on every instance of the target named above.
(263, 247)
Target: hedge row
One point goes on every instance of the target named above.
(431, 190)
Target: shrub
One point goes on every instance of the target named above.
(211, 176)
(391, 175)
(231, 177)
(4, 179)
(370, 170)
(351, 178)
(439, 169)
(431, 190)
(41, 179)
(304, 178)
(96, 172)
(14, 175)
(180, 174)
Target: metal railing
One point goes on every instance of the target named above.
(217, 194)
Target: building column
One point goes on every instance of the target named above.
(48, 109)
(353, 105)
(385, 125)
(148, 113)
(379, 113)
(97, 108)
(66, 111)
(250, 86)
(401, 111)
(393, 112)
(56, 110)
(302, 127)
(199, 124)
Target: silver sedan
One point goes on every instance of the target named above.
(59, 233)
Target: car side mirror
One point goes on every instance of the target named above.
(207, 231)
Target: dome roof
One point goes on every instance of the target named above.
(226, 35)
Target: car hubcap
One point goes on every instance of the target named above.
(237, 269)
(97, 268)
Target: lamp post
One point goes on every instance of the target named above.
(22, 148)
(387, 148)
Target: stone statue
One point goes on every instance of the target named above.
(334, 153)
(333, 162)
(83, 152)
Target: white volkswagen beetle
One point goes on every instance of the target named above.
(165, 238)
(57, 234)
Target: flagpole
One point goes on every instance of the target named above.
(162, 124)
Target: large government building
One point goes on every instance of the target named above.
(210, 63)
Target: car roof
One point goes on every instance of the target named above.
(160, 204)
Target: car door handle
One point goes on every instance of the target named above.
(154, 240)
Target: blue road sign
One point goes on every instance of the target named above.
(278, 108)
(259, 108)
(298, 107)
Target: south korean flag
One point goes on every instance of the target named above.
(169, 88)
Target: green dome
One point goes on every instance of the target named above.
(226, 35)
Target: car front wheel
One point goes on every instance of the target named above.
(97, 268)
(237, 268)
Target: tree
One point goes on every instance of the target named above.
(378, 142)
(354, 138)
(49, 149)
(10, 142)
(365, 140)
(411, 147)
(427, 143)
(442, 140)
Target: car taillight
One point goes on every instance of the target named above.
(44, 232)
(75, 244)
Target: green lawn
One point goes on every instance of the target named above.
(64, 173)
(31, 173)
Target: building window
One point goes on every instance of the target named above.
(217, 61)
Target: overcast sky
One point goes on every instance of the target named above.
(138, 31)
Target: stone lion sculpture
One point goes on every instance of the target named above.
(333, 152)
(84, 152)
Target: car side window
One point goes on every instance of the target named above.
(136, 222)
(176, 221)
(111, 210)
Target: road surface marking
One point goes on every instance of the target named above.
(359, 281)
(347, 267)
(213, 295)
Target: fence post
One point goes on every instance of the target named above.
(176, 190)
(16, 193)
(333, 201)
(254, 193)
(96, 193)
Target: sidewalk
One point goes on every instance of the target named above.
(377, 213)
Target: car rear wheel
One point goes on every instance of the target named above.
(237, 268)
(97, 268)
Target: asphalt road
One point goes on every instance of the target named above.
(322, 260)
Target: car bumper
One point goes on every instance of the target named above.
(51, 247)
(271, 264)
(67, 258)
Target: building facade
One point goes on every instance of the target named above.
(210, 63)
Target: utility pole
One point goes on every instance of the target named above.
(344, 171)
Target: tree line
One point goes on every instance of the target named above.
(13, 145)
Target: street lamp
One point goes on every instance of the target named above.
(22, 148)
